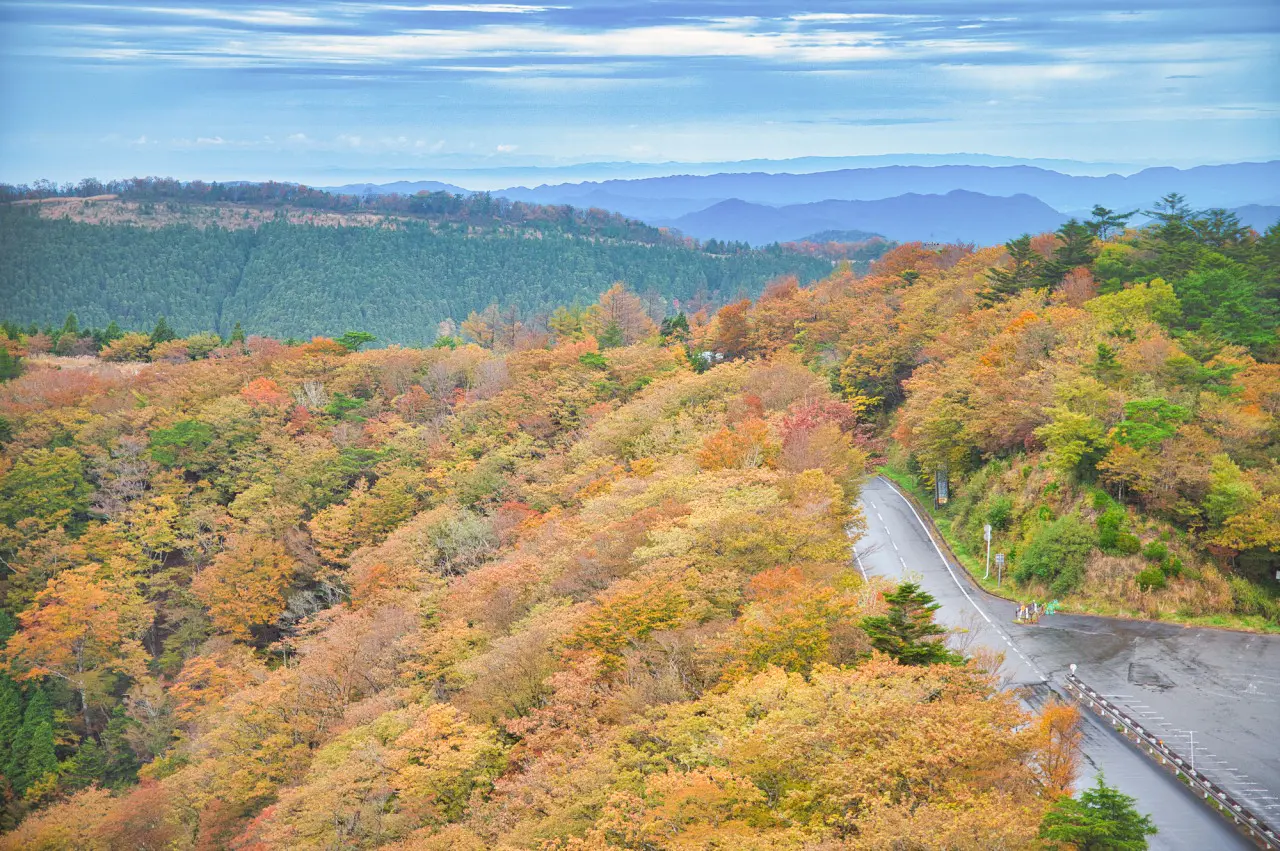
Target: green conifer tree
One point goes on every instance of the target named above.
(41, 759)
(162, 333)
(1102, 819)
(908, 632)
(10, 726)
(10, 365)
(121, 763)
(611, 337)
(37, 716)
(87, 767)
(1075, 248)
(1006, 283)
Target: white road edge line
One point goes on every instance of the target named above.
(951, 572)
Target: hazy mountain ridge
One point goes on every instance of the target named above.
(1225, 186)
(958, 216)
(762, 207)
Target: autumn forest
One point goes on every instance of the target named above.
(586, 583)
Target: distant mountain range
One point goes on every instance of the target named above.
(958, 216)
(466, 171)
(841, 236)
(400, 187)
(1258, 216)
(972, 203)
(1205, 186)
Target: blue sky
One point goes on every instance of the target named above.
(225, 90)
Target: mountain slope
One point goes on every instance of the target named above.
(958, 216)
(1258, 216)
(394, 278)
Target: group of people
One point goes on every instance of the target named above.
(1031, 612)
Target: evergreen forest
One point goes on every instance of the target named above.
(398, 278)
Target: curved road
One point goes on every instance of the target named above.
(1217, 689)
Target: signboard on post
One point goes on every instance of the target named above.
(999, 568)
(942, 490)
(986, 536)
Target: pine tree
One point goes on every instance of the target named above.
(611, 337)
(111, 332)
(1107, 222)
(121, 763)
(10, 365)
(41, 759)
(237, 335)
(162, 333)
(353, 340)
(908, 632)
(1103, 819)
(1172, 236)
(1075, 248)
(1105, 366)
(87, 767)
(10, 727)
(1006, 283)
(37, 717)
(675, 327)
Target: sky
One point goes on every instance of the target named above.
(371, 90)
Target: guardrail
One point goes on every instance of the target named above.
(1264, 834)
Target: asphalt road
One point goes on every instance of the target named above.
(1217, 688)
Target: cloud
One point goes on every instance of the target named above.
(676, 76)
(476, 8)
(506, 149)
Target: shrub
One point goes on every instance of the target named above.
(1112, 537)
(131, 346)
(1057, 553)
(1000, 512)
(1150, 578)
(1250, 599)
(1155, 551)
(593, 359)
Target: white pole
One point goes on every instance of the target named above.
(986, 534)
(1192, 733)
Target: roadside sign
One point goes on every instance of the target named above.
(943, 491)
(986, 533)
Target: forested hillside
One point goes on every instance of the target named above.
(1107, 399)
(396, 277)
(590, 587)
(295, 597)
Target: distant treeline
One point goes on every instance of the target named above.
(285, 279)
(477, 209)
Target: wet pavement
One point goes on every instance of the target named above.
(1212, 692)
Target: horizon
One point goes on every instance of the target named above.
(373, 92)
(602, 172)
